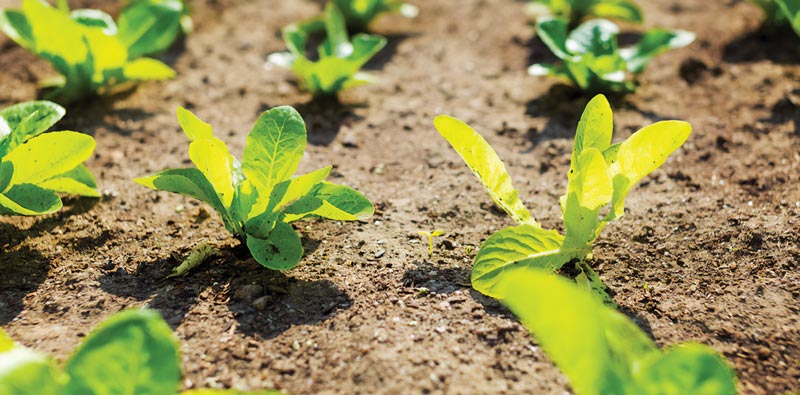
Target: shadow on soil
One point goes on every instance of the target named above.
(776, 45)
(24, 270)
(324, 118)
(385, 55)
(88, 115)
(263, 301)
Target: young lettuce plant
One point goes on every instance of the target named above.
(258, 198)
(601, 351)
(575, 11)
(93, 54)
(34, 165)
(133, 352)
(600, 176)
(591, 58)
(339, 59)
(359, 14)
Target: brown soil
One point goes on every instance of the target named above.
(714, 234)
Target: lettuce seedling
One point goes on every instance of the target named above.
(133, 352)
(575, 11)
(601, 351)
(258, 198)
(600, 176)
(339, 59)
(359, 14)
(591, 57)
(93, 54)
(34, 165)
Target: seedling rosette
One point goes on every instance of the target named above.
(359, 14)
(600, 176)
(258, 198)
(92, 53)
(601, 351)
(576, 11)
(591, 58)
(339, 58)
(35, 166)
(133, 352)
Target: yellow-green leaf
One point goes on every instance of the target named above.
(590, 189)
(193, 126)
(5, 341)
(594, 130)
(48, 155)
(486, 165)
(215, 162)
(147, 69)
(523, 245)
(643, 152)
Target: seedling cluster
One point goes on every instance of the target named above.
(590, 55)
(600, 176)
(93, 54)
(258, 197)
(35, 166)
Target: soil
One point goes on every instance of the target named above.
(708, 250)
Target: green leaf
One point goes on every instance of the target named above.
(274, 147)
(28, 199)
(95, 18)
(486, 165)
(618, 9)
(597, 36)
(654, 42)
(150, 26)
(26, 120)
(49, 155)
(686, 369)
(187, 182)
(596, 347)
(790, 9)
(78, 181)
(282, 250)
(17, 27)
(365, 46)
(25, 372)
(337, 42)
(553, 32)
(517, 246)
(331, 201)
(290, 190)
(133, 352)
(645, 151)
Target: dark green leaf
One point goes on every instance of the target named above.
(133, 352)
(282, 250)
